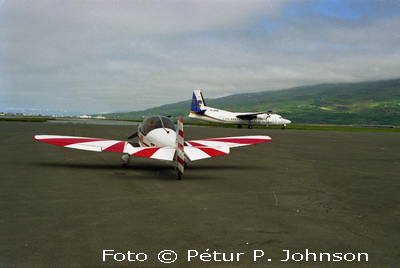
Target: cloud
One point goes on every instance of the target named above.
(95, 56)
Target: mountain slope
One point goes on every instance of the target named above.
(376, 102)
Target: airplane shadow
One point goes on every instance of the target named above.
(76, 165)
(150, 170)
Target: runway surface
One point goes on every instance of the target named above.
(321, 191)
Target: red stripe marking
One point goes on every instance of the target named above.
(118, 147)
(147, 152)
(180, 133)
(68, 141)
(180, 147)
(180, 161)
(210, 151)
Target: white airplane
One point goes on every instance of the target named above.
(200, 111)
(158, 139)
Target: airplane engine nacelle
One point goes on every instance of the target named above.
(262, 116)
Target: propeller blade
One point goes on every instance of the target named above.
(134, 135)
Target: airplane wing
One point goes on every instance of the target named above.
(200, 149)
(102, 145)
(194, 150)
(249, 116)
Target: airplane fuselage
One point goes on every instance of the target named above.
(158, 138)
(199, 110)
(225, 117)
(157, 131)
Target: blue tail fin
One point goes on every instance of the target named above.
(198, 104)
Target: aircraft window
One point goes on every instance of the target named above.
(154, 122)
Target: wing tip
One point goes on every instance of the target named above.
(38, 137)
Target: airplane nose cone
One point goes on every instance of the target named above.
(288, 121)
(162, 137)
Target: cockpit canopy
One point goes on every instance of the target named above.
(154, 122)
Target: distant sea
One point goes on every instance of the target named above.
(92, 121)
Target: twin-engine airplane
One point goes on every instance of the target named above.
(158, 139)
(200, 111)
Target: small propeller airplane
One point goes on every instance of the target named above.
(159, 139)
(200, 111)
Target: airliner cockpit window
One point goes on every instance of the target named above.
(154, 122)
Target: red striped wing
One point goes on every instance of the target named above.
(238, 141)
(100, 145)
(200, 149)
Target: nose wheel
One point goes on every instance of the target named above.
(125, 159)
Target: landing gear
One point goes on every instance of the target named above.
(239, 126)
(179, 175)
(250, 126)
(283, 127)
(125, 159)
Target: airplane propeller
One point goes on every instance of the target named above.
(134, 135)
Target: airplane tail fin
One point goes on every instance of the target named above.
(180, 154)
(198, 104)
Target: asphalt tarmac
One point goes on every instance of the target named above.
(305, 192)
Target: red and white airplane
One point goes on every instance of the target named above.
(158, 139)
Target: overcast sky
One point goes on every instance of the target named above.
(110, 55)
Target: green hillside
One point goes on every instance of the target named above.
(371, 103)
